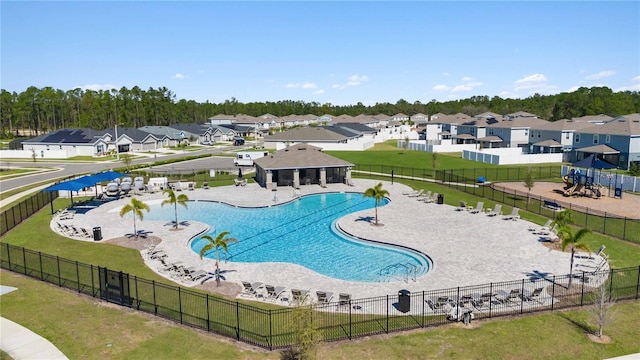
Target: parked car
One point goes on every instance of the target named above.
(207, 142)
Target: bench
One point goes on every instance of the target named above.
(552, 205)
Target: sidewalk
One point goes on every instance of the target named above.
(23, 344)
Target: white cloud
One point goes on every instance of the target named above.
(462, 88)
(466, 78)
(179, 76)
(292, 86)
(474, 83)
(445, 74)
(573, 88)
(309, 85)
(635, 87)
(354, 80)
(535, 81)
(637, 78)
(535, 78)
(96, 87)
(440, 88)
(319, 92)
(600, 75)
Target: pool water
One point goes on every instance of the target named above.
(302, 232)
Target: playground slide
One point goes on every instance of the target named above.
(574, 190)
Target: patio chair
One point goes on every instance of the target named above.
(205, 185)
(324, 297)
(463, 206)
(479, 208)
(514, 214)
(512, 296)
(274, 292)
(431, 199)
(86, 233)
(250, 289)
(497, 210)
(423, 196)
(544, 227)
(532, 295)
(410, 192)
(299, 296)
(344, 300)
(416, 194)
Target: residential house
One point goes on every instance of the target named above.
(339, 136)
(616, 141)
(69, 142)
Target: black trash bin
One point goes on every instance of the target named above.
(404, 301)
(97, 233)
(440, 199)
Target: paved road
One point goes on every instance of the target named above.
(69, 169)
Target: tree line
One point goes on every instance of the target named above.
(46, 109)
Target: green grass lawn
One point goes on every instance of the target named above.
(83, 327)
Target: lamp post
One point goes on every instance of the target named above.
(116, 143)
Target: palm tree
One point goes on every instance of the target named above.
(175, 201)
(564, 218)
(377, 193)
(136, 206)
(220, 242)
(574, 241)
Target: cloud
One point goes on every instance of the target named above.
(96, 87)
(531, 82)
(600, 75)
(319, 92)
(474, 83)
(637, 78)
(573, 88)
(440, 88)
(354, 80)
(466, 78)
(304, 85)
(179, 76)
(635, 87)
(445, 74)
(462, 88)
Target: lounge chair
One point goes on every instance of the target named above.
(250, 289)
(531, 295)
(423, 196)
(344, 300)
(512, 296)
(205, 185)
(431, 199)
(479, 208)
(410, 192)
(299, 296)
(324, 297)
(497, 210)
(416, 194)
(514, 215)
(191, 186)
(274, 292)
(463, 206)
(544, 227)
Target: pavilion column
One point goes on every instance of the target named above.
(348, 174)
(268, 180)
(296, 178)
(323, 177)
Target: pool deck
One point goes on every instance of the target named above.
(465, 248)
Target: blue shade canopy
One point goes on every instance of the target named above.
(592, 161)
(85, 181)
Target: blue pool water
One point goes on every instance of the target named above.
(302, 232)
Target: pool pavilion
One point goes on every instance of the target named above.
(301, 164)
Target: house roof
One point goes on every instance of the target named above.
(491, 138)
(548, 143)
(68, 136)
(196, 129)
(593, 118)
(353, 128)
(136, 135)
(626, 125)
(308, 134)
(458, 118)
(161, 131)
(519, 122)
(465, 136)
(521, 114)
(599, 149)
(299, 156)
(563, 124)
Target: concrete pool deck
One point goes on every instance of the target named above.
(465, 248)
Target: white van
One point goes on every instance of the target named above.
(246, 158)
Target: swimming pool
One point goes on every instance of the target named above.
(303, 232)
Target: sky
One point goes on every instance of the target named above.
(333, 52)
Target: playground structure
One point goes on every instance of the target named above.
(578, 184)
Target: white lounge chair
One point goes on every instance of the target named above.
(324, 297)
(479, 208)
(416, 194)
(514, 214)
(497, 210)
(274, 292)
(431, 199)
(299, 296)
(344, 300)
(463, 206)
(543, 228)
(250, 289)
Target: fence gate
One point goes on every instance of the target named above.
(114, 287)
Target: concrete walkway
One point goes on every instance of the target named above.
(23, 344)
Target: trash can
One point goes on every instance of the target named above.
(404, 301)
(440, 199)
(97, 233)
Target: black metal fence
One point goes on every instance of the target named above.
(13, 216)
(466, 180)
(336, 320)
